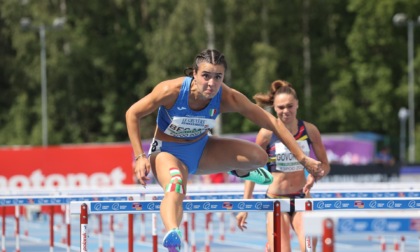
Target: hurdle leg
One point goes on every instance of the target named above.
(308, 239)
(111, 234)
(232, 222)
(83, 227)
(208, 238)
(222, 226)
(396, 244)
(211, 227)
(100, 231)
(402, 246)
(25, 222)
(383, 243)
(328, 236)
(193, 242)
(142, 227)
(17, 229)
(308, 244)
(3, 230)
(68, 227)
(154, 232)
(277, 225)
(52, 228)
(185, 225)
(130, 233)
(63, 225)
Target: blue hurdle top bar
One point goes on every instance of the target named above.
(135, 207)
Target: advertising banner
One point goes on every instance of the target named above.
(66, 166)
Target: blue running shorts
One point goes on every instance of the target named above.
(189, 153)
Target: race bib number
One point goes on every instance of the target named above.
(286, 161)
(189, 126)
(155, 146)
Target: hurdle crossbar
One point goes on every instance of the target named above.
(261, 195)
(61, 200)
(51, 200)
(84, 209)
(319, 223)
(358, 204)
(189, 206)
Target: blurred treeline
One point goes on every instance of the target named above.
(346, 59)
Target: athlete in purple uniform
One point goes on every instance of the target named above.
(288, 172)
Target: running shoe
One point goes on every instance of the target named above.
(259, 176)
(172, 240)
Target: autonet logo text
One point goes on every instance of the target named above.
(38, 180)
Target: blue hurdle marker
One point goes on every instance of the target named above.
(51, 200)
(344, 222)
(189, 206)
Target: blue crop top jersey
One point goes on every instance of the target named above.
(182, 122)
(285, 161)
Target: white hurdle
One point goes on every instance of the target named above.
(325, 207)
(320, 191)
(329, 209)
(412, 203)
(329, 224)
(190, 206)
(51, 200)
(340, 198)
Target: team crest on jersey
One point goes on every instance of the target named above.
(212, 112)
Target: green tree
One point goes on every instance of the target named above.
(346, 59)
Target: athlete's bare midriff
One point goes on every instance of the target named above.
(286, 182)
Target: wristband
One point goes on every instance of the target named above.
(140, 156)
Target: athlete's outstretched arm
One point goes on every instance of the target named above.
(165, 94)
